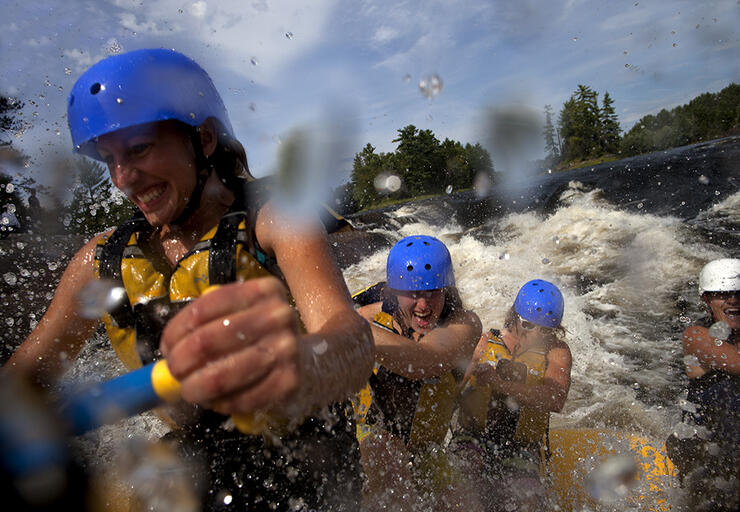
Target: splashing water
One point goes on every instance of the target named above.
(98, 297)
(431, 86)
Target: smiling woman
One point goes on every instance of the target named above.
(155, 118)
(423, 336)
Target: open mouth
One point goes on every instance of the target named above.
(732, 313)
(150, 195)
(423, 319)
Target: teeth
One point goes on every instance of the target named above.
(150, 195)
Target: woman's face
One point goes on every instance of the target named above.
(420, 309)
(725, 307)
(154, 165)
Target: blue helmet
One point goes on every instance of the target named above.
(140, 87)
(419, 263)
(540, 302)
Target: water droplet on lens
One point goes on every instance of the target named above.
(254, 61)
(703, 180)
(720, 331)
(289, 35)
(611, 481)
(431, 86)
(119, 100)
(448, 190)
(10, 278)
(192, 115)
(545, 261)
(407, 78)
(98, 297)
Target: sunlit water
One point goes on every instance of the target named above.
(629, 282)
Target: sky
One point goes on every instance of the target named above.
(353, 69)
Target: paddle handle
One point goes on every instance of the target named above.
(121, 397)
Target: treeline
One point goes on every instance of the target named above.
(420, 165)
(706, 117)
(587, 130)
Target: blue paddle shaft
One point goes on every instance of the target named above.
(113, 400)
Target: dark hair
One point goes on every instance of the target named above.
(228, 160)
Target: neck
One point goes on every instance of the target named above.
(214, 202)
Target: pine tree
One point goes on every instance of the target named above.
(552, 148)
(609, 125)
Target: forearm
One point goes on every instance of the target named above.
(335, 362)
(411, 359)
(546, 397)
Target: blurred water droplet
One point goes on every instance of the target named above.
(431, 85)
(67, 71)
(691, 360)
(10, 278)
(482, 184)
(9, 188)
(98, 297)
(504, 256)
(703, 180)
(720, 331)
(575, 38)
(119, 100)
(448, 190)
(254, 61)
(192, 115)
(612, 480)
(545, 261)
(252, 107)
(675, 44)
(639, 206)
(114, 47)
(406, 78)
(320, 348)
(716, 192)
(289, 35)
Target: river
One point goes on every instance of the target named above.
(624, 241)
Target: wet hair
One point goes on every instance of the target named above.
(552, 333)
(228, 160)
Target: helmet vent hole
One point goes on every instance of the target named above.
(410, 268)
(428, 266)
(95, 88)
(409, 244)
(426, 243)
(541, 290)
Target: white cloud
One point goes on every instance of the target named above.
(385, 34)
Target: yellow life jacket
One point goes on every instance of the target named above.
(155, 293)
(483, 411)
(418, 411)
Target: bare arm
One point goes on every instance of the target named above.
(239, 349)
(444, 348)
(710, 354)
(61, 333)
(548, 396)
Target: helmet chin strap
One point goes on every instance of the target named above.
(203, 171)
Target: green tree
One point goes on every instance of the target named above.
(10, 109)
(552, 146)
(608, 125)
(367, 166)
(419, 161)
(96, 204)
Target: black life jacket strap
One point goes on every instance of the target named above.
(110, 256)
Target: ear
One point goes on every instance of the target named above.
(208, 136)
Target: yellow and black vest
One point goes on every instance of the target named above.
(482, 411)
(417, 411)
(227, 253)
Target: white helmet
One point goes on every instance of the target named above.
(721, 275)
